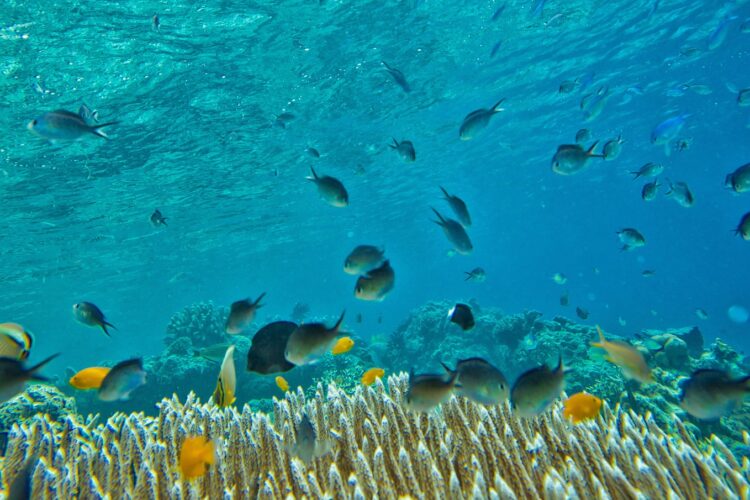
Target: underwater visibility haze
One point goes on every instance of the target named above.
(390, 228)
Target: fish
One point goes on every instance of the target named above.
(89, 314)
(628, 358)
(649, 190)
(495, 48)
(477, 120)
(363, 258)
(15, 341)
(306, 445)
(583, 135)
(478, 275)
(283, 119)
(214, 352)
(89, 378)
(310, 342)
(342, 346)
(667, 130)
(14, 375)
(369, 377)
(313, 152)
(559, 278)
(743, 228)
(405, 149)
(62, 125)
(459, 208)
(593, 104)
(427, 391)
(124, 378)
(455, 233)
(581, 407)
(281, 383)
(157, 219)
(226, 386)
(630, 238)
(461, 315)
(648, 273)
(88, 114)
(719, 34)
(155, 23)
(567, 86)
(498, 12)
(743, 98)
(701, 313)
(196, 454)
(712, 394)
(536, 389)
(680, 192)
(739, 180)
(266, 354)
(398, 77)
(330, 189)
(571, 159)
(241, 314)
(612, 149)
(582, 313)
(376, 284)
(564, 300)
(480, 381)
(650, 169)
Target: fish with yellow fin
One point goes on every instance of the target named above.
(89, 378)
(369, 377)
(628, 358)
(224, 394)
(281, 383)
(196, 454)
(15, 341)
(581, 406)
(342, 345)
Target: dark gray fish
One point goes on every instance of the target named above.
(455, 233)
(712, 394)
(266, 353)
(398, 77)
(648, 273)
(631, 238)
(89, 314)
(477, 274)
(310, 342)
(155, 23)
(330, 189)
(376, 284)
(480, 381)
(743, 228)
(571, 159)
(739, 180)
(680, 192)
(477, 120)
(157, 219)
(427, 391)
(405, 149)
(582, 313)
(241, 314)
(536, 389)
(122, 379)
(461, 315)
(459, 207)
(650, 169)
(14, 375)
(648, 193)
(363, 258)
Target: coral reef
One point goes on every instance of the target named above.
(202, 323)
(464, 450)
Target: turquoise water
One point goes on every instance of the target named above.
(198, 98)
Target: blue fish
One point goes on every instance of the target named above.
(498, 12)
(718, 35)
(667, 130)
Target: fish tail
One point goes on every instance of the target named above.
(314, 175)
(447, 196)
(104, 326)
(635, 175)
(257, 301)
(441, 220)
(96, 129)
(495, 108)
(395, 143)
(38, 366)
(468, 275)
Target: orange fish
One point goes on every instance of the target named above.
(282, 384)
(344, 344)
(89, 378)
(628, 358)
(196, 454)
(581, 406)
(370, 375)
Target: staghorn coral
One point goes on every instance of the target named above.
(202, 323)
(463, 451)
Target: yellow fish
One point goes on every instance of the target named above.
(282, 384)
(581, 406)
(15, 341)
(370, 375)
(628, 358)
(89, 378)
(344, 344)
(224, 394)
(196, 454)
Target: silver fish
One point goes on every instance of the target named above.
(480, 381)
(405, 149)
(571, 159)
(62, 125)
(680, 192)
(309, 342)
(536, 389)
(631, 238)
(428, 391)
(459, 208)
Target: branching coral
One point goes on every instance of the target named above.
(202, 323)
(463, 451)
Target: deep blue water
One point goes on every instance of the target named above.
(197, 101)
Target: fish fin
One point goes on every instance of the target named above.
(395, 143)
(447, 369)
(441, 220)
(257, 303)
(602, 340)
(104, 326)
(468, 275)
(337, 326)
(314, 175)
(31, 371)
(95, 129)
(495, 108)
(447, 196)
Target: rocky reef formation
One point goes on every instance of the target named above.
(42, 399)
(463, 451)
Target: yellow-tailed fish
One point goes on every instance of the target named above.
(15, 341)
(224, 394)
(89, 378)
(282, 384)
(628, 358)
(369, 377)
(196, 454)
(342, 345)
